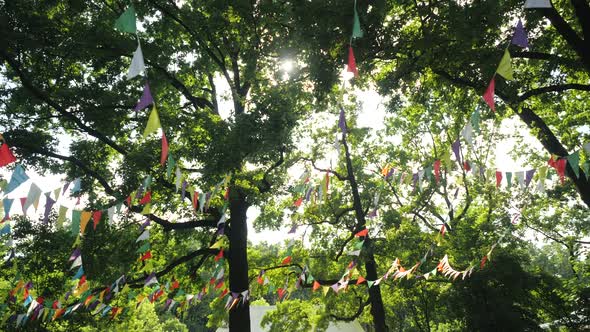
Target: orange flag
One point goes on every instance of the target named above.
(364, 232)
(360, 280)
(316, 285)
(84, 218)
(286, 261)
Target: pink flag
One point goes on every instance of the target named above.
(488, 96)
(164, 155)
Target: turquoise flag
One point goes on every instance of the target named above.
(18, 177)
(357, 32)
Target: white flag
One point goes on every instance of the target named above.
(537, 4)
(144, 236)
(137, 66)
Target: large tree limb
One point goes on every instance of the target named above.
(44, 97)
(553, 88)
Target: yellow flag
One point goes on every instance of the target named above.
(153, 123)
(147, 209)
(217, 245)
(84, 218)
(326, 289)
(505, 66)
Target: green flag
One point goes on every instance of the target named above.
(475, 117)
(586, 168)
(509, 179)
(126, 22)
(170, 165)
(357, 32)
(76, 214)
(62, 216)
(574, 161)
(505, 67)
(153, 123)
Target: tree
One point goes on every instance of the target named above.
(63, 63)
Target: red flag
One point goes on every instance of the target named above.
(498, 178)
(316, 285)
(219, 255)
(147, 255)
(437, 170)
(195, 200)
(96, 218)
(488, 96)
(55, 304)
(483, 262)
(443, 230)
(360, 280)
(559, 166)
(146, 198)
(298, 202)
(561, 169)
(175, 284)
(466, 166)
(164, 149)
(364, 232)
(6, 157)
(226, 196)
(82, 281)
(286, 261)
(352, 62)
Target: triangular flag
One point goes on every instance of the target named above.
(164, 154)
(33, 196)
(77, 262)
(360, 280)
(488, 95)
(16, 179)
(144, 236)
(537, 4)
(357, 32)
(6, 157)
(146, 98)
(48, 205)
(498, 178)
(475, 118)
(7, 203)
(456, 146)
(509, 179)
(364, 232)
(96, 215)
(529, 177)
(342, 121)
(153, 123)
(84, 218)
(505, 66)
(520, 38)
(76, 222)
(126, 22)
(137, 65)
(79, 274)
(352, 62)
(574, 161)
(170, 165)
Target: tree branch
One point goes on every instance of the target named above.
(553, 88)
(338, 175)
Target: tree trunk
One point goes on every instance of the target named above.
(377, 310)
(239, 316)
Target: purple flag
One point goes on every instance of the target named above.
(520, 38)
(457, 150)
(342, 121)
(48, 205)
(529, 176)
(293, 229)
(75, 254)
(144, 225)
(146, 98)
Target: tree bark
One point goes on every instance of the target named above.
(239, 316)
